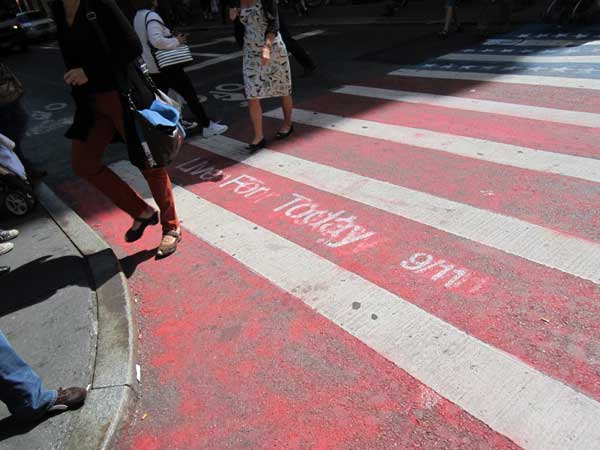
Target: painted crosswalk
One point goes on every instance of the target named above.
(453, 232)
(561, 418)
(578, 83)
(509, 109)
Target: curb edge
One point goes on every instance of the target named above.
(114, 384)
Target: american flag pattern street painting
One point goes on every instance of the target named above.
(417, 266)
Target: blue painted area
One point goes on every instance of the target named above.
(508, 50)
(538, 32)
(570, 70)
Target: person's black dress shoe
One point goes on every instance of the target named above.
(255, 147)
(281, 135)
(133, 235)
(4, 269)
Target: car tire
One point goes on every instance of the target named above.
(18, 203)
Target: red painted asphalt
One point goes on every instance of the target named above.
(568, 139)
(231, 361)
(525, 94)
(501, 302)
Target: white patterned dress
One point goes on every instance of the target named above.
(274, 79)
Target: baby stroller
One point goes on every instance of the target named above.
(16, 192)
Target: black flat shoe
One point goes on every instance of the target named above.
(281, 135)
(133, 235)
(255, 147)
(4, 269)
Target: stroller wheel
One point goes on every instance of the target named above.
(16, 203)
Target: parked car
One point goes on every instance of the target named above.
(12, 34)
(37, 24)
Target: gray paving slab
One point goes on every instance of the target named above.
(48, 312)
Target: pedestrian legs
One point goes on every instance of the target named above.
(256, 117)
(180, 82)
(87, 163)
(286, 105)
(21, 389)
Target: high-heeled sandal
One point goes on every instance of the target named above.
(281, 135)
(255, 147)
(168, 244)
(133, 235)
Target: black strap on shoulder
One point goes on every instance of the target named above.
(92, 18)
(146, 22)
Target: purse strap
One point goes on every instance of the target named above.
(146, 22)
(92, 18)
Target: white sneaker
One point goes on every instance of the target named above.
(213, 129)
(189, 125)
(6, 247)
(7, 235)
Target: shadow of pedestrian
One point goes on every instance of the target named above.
(130, 263)
(38, 280)
(10, 427)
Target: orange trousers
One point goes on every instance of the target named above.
(87, 163)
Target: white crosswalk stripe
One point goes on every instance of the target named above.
(563, 82)
(496, 152)
(584, 119)
(541, 42)
(520, 59)
(491, 385)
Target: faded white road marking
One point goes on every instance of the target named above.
(581, 83)
(534, 410)
(540, 42)
(208, 55)
(520, 59)
(496, 152)
(235, 55)
(213, 42)
(509, 109)
(541, 245)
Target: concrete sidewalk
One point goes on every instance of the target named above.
(65, 309)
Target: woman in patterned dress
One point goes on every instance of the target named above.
(266, 65)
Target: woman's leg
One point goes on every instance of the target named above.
(157, 179)
(256, 117)
(286, 105)
(162, 192)
(87, 159)
(180, 82)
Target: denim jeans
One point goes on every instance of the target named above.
(20, 387)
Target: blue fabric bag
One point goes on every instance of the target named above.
(160, 131)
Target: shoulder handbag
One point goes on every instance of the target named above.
(180, 56)
(11, 88)
(158, 124)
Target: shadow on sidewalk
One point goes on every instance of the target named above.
(38, 280)
(130, 263)
(10, 427)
